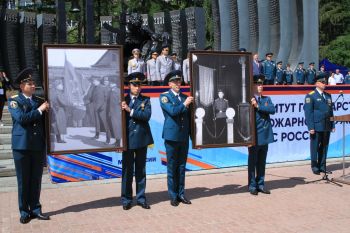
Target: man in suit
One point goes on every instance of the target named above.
(176, 130)
(268, 69)
(28, 145)
(177, 64)
(311, 74)
(263, 108)
(256, 65)
(300, 74)
(164, 64)
(151, 69)
(138, 113)
(136, 64)
(318, 110)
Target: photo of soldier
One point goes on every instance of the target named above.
(58, 111)
(99, 103)
(113, 110)
(220, 106)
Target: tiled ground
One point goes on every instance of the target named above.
(221, 203)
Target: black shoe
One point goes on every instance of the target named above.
(24, 220)
(144, 205)
(316, 172)
(253, 192)
(127, 206)
(325, 172)
(40, 216)
(174, 202)
(265, 191)
(184, 200)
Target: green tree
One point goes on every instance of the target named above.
(338, 50)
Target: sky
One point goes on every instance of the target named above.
(78, 57)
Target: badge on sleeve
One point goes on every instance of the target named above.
(142, 106)
(13, 104)
(164, 99)
(307, 100)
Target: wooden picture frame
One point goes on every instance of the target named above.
(84, 87)
(222, 87)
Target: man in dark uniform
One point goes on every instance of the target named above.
(279, 74)
(176, 130)
(269, 69)
(347, 78)
(288, 75)
(138, 112)
(98, 99)
(318, 110)
(28, 145)
(113, 111)
(219, 109)
(300, 74)
(263, 108)
(322, 72)
(311, 74)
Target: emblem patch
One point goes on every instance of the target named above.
(164, 99)
(13, 104)
(142, 106)
(307, 100)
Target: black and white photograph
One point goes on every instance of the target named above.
(221, 87)
(84, 88)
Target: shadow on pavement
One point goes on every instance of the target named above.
(192, 194)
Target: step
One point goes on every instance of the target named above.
(5, 139)
(7, 121)
(6, 171)
(7, 129)
(6, 162)
(5, 147)
(5, 154)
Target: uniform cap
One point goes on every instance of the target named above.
(259, 79)
(135, 78)
(173, 75)
(268, 54)
(280, 62)
(242, 50)
(136, 50)
(24, 76)
(311, 63)
(301, 63)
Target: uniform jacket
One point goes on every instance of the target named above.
(138, 130)
(58, 114)
(300, 75)
(347, 79)
(151, 70)
(220, 106)
(279, 75)
(186, 70)
(288, 76)
(263, 122)
(28, 124)
(269, 69)
(164, 66)
(318, 110)
(98, 97)
(177, 117)
(136, 65)
(310, 76)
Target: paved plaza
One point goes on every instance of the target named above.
(220, 203)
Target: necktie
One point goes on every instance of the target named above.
(132, 103)
(259, 99)
(324, 98)
(178, 96)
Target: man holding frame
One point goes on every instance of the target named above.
(138, 112)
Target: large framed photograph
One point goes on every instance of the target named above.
(84, 87)
(222, 115)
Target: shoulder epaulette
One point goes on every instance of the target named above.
(14, 96)
(165, 92)
(39, 97)
(311, 92)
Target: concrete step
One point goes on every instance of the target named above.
(5, 154)
(6, 171)
(7, 168)
(7, 121)
(5, 147)
(6, 162)
(7, 129)
(5, 139)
